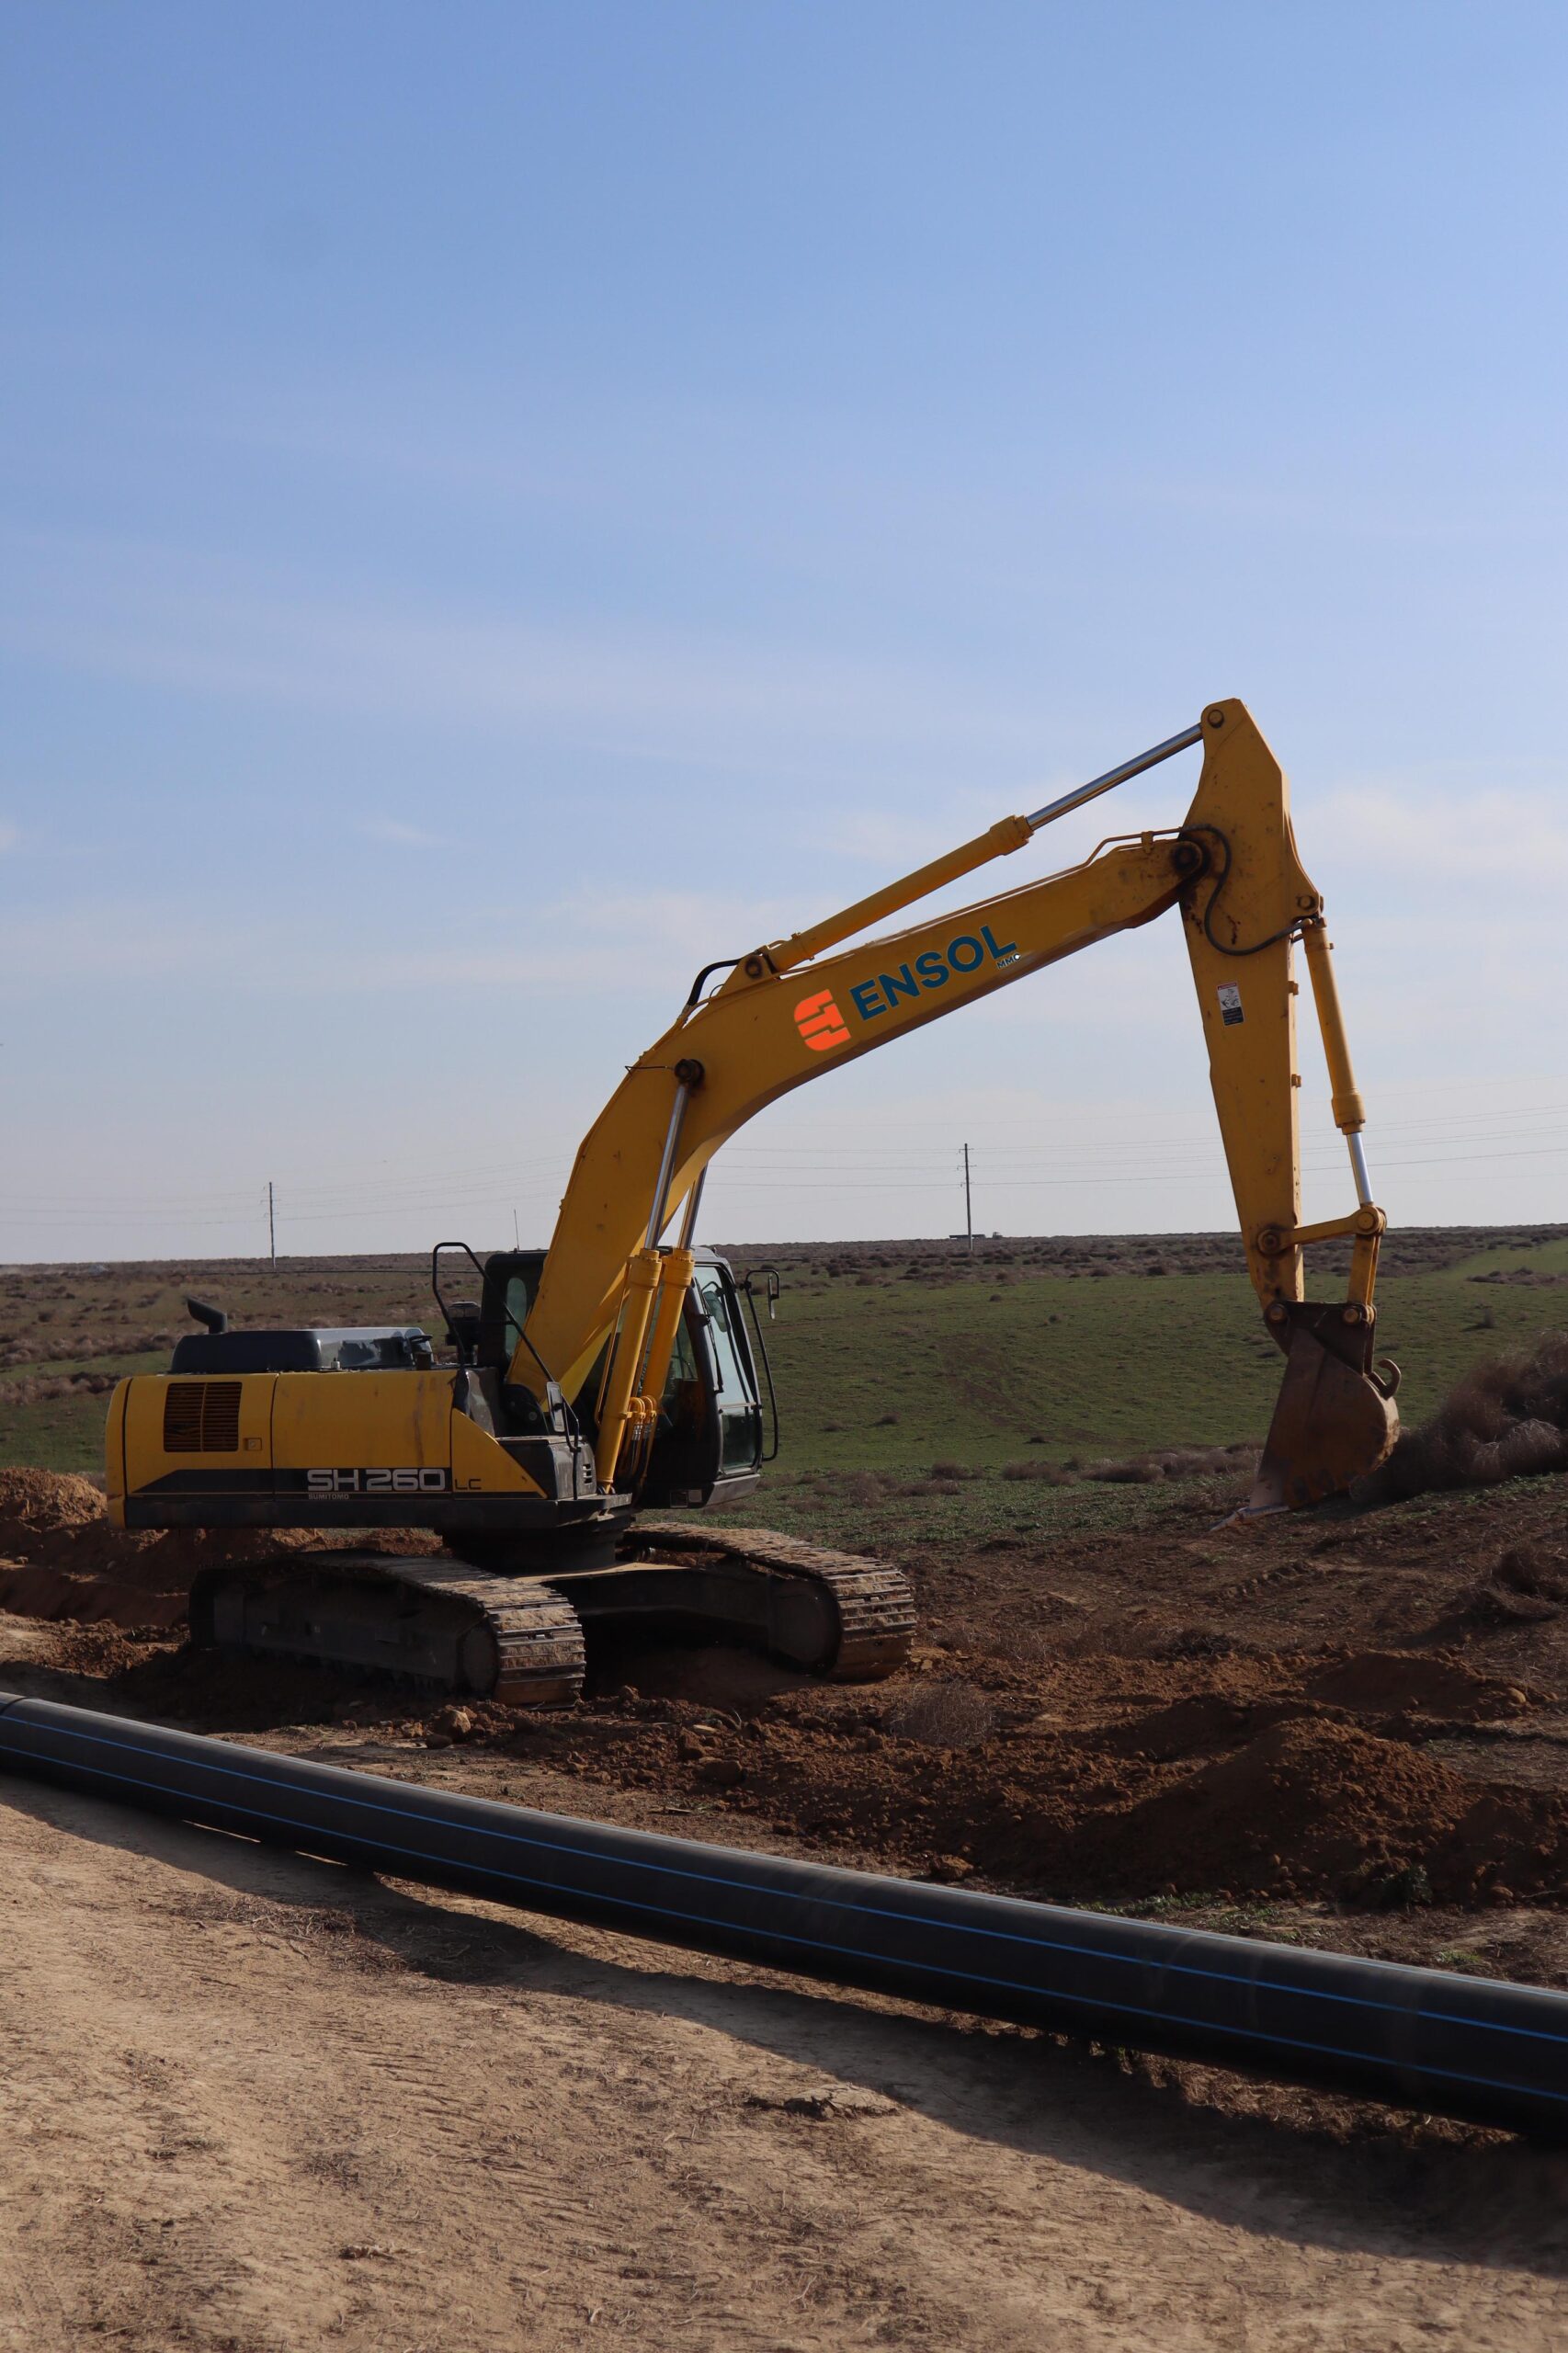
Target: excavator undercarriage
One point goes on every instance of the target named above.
(439, 1626)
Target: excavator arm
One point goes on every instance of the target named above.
(795, 1008)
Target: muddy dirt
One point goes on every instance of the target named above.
(1366, 1711)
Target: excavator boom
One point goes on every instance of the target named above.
(789, 1011)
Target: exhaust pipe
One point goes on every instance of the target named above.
(1468, 2047)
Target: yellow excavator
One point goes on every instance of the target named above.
(586, 1385)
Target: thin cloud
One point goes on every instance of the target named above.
(404, 836)
(173, 619)
(1514, 834)
(648, 944)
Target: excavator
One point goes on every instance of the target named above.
(585, 1388)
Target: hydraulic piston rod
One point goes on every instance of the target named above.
(1113, 776)
(1459, 2046)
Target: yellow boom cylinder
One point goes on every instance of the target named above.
(675, 1272)
(1008, 834)
(626, 1360)
(1350, 1111)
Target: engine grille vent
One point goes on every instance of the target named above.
(202, 1418)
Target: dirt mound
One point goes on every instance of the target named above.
(1506, 1419)
(38, 1508)
(36, 1590)
(201, 1687)
(70, 1562)
(1308, 1803)
(1392, 1682)
(1197, 1726)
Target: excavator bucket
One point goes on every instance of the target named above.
(1335, 1420)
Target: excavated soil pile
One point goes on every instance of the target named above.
(1284, 1795)
(1370, 1709)
(60, 1559)
(1506, 1419)
(1261, 1777)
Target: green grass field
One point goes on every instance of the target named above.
(876, 1371)
(896, 1373)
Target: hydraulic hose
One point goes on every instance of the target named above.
(1468, 2047)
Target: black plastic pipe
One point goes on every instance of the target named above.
(1419, 2037)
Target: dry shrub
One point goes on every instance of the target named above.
(946, 1714)
(1175, 1462)
(1506, 1419)
(1047, 1474)
(40, 1389)
(957, 1634)
(856, 1487)
(1206, 1462)
(1530, 1568)
(953, 1471)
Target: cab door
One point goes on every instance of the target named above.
(709, 1427)
(737, 1407)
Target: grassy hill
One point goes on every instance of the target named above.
(887, 1357)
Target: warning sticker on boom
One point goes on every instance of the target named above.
(1230, 1004)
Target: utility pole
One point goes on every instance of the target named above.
(968, 1205)
(271, 1226)
(516, 1237)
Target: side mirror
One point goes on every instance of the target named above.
(771, 1288)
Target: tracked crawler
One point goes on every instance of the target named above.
(441, 1626)
(612, 1375)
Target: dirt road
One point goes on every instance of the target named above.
(252, 2102)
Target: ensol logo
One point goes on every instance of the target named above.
(820, 1022)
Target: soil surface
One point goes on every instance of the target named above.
(256, 2103)
(268, 2103)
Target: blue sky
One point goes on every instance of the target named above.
(503, 504)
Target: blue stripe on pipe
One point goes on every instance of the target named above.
(1405, 2069)
(714, 1879)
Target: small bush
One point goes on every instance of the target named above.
(1405, 1888)
(1045, 1474)
(1525, 1568)
(1174, 1462)
(1136, 1471)
(953, 1471)
(946, 1714)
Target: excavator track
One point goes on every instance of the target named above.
(441, 1626)
(436, 1625)
(873, 1604)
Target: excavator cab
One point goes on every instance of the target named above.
(709, 1435)
(708, 1438)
